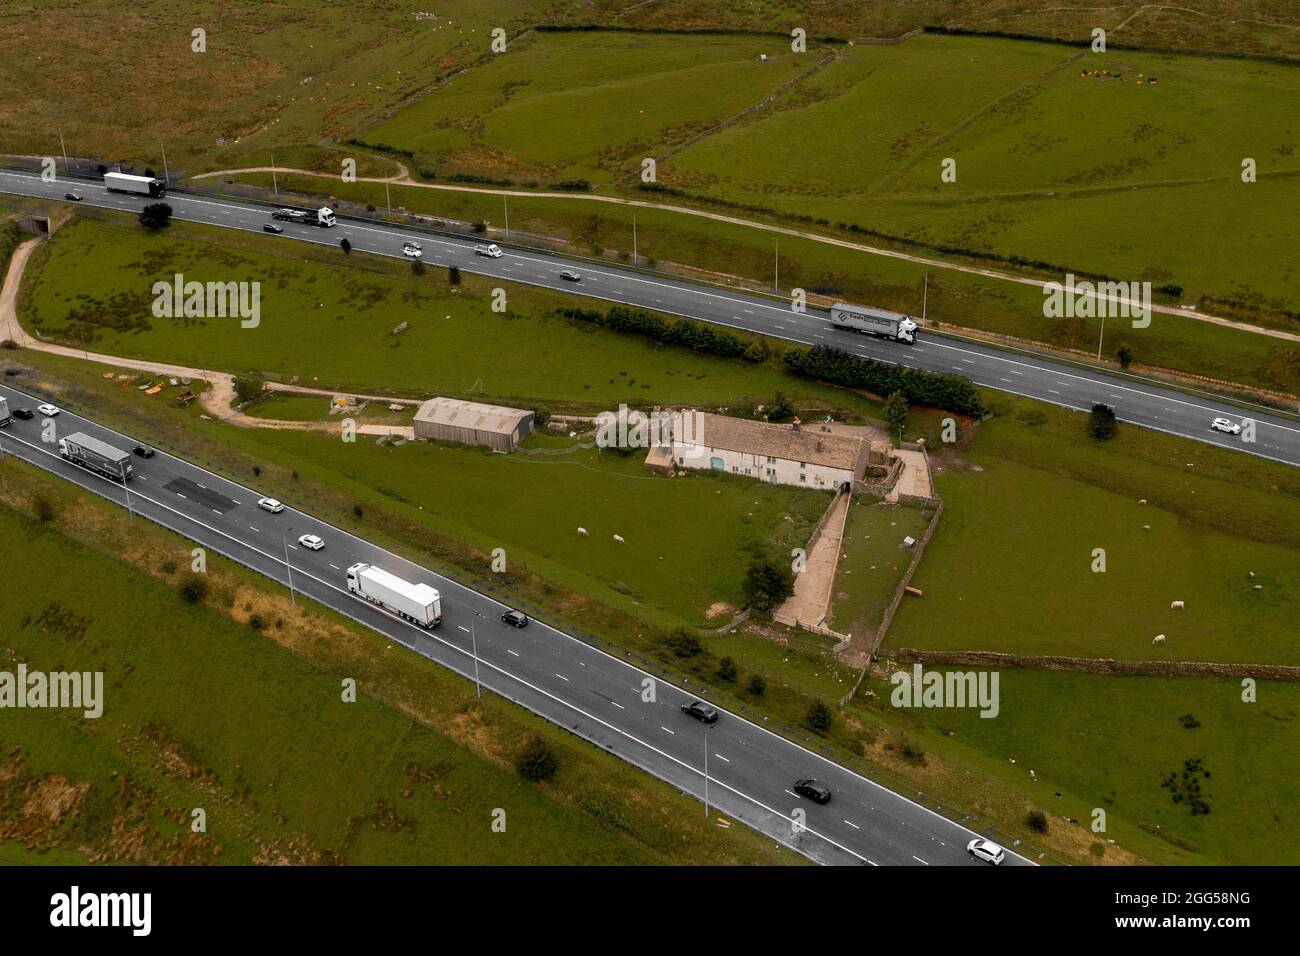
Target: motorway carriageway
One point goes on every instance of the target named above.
(1139, 402)
(595, 695)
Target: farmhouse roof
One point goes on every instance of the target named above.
(789, 442)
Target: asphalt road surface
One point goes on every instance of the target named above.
(1022, 373)
(599, 697)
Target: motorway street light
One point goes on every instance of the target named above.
(706, 773)
(284, 536)
(1102, 336)
(478, 687)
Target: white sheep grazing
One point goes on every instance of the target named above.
(618, 539)
(582, 532)
(1158, 639)
(1176, 605)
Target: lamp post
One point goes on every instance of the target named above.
(284, 536)
(473, 638)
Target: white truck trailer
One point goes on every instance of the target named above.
(324, 216)
(96, 455)
(417, 603)
(890, 325)
(5, 417)
(136, 185)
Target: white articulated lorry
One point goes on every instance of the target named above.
(96, 455)
(324, 216)
(5, 417)
(417, 603)
(136, 185)
(890, 325)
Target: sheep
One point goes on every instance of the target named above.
(582, 532)
(1158, 639)
(1176, 605)
(618, 539)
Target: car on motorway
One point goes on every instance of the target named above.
(312, 542)
(814, 790)
(568, 275)
(701, 712)
(986, 850)
(272, 227)
(24, 413)
(48, 410)
(491, 250)
(73, 197)
(412, 250)
(1226, 425)
(144, 451)
(515, 618)
(270, 504)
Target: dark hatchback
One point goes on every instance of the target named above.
(515, 618)
(814, 790)
(701, 712)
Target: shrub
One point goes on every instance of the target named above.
(249, 387)
(358, 511)
(1125, 356)
(683, 643)
(44, 508)
(345, 245)
(535, 761)
(1037, 821)
(781, 409)
(453, 275)
(194, 588)
(1102, 424)
(156, 215)
(757, 685)
(940, 390)
(255, 622)
(896, 414)
(819, 717)
(727, 670)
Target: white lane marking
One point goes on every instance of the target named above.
(618, 705)
(251, 528)
(563, 678)
(336, 567)
(852, 824)
(509, 651)
(793, 794)
(918, 859)
(463, 628)
(722, 758)
(673, 732)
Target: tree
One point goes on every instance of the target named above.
(535, 761)
(727, 672)
(453, 275)
(819, 717)
(1101, 422)
(156, 215)
(767, 584)
(345, 245)
(1125, 356)
(781, 409)
(248, 387)
(755, 352)
(757, 685)
(896, 414)
(417, 267)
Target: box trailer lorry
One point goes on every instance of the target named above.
(417, 603)
(5, 417)
(96, 455)
(324, 216)
(890, 325)
(136, 185)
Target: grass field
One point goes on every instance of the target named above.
(1010, 569)
(872, 560)
(316, 782)
(327, 320)
(1109, 743)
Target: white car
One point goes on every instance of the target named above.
(986, 850)
(1226, 425)
(492, 251)
(270, 504)
(413, 250)
(312, 542)
(48, 411)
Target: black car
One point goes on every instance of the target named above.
(814, 790)
(24, 413)
(144, 451)
(73, 197)
(515, 618)
(701, 712)
(568, 275)
(272, 227)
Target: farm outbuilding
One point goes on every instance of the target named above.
(473, 423)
